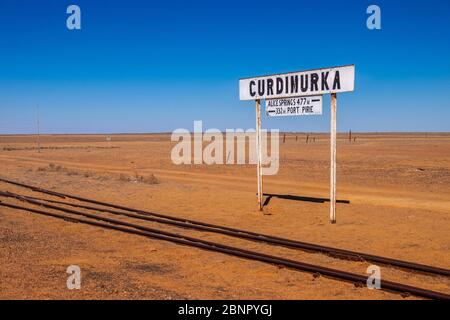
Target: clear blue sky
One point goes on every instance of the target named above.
(150, 66)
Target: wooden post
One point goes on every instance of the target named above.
(38, 129)
(333, 159)
(259, 155)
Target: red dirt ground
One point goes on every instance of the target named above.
(398, 185)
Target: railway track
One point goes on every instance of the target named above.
(73, 215)
(238, 233)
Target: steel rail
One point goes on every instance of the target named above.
(334, 252)
(217, 247)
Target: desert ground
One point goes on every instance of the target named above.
(398, 186)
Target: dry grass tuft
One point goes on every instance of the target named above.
(136, 178)
(151, 179)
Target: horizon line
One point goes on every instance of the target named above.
(221, 131)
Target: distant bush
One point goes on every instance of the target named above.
(150, 179)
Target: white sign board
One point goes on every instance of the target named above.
(301, 83)
(298, 106)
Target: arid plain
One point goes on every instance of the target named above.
(398, 186)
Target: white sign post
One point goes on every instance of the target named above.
(333, 158)
(259, 155)
(297, 94)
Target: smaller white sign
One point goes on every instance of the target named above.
(297, 106)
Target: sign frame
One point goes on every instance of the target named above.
(343, 81)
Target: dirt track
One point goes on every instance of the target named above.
(398, 186)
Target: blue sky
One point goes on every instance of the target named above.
(152, 66)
